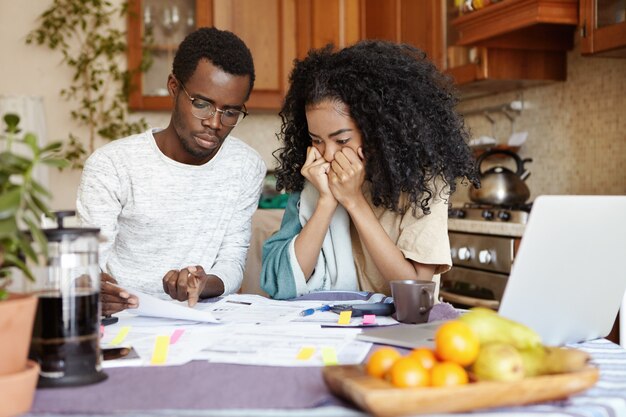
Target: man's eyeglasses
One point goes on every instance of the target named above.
(202, 109)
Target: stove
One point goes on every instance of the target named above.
(483, 245)
(510, 214)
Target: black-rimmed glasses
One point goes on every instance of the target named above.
(202, 109)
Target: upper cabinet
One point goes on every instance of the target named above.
(268, 28)
(156, 27)
(603, 27)
(320, 22)
(343, 22)
(509, 45)
(419, 23)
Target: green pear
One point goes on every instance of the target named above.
(493, 328)
(534, 360)
(498, 362)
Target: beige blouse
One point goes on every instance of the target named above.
(421, 238)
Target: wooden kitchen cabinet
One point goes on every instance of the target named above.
(509, 45)
(320, 22)
(267, 27)
(344, 22)
(603, 28)
(418, 23)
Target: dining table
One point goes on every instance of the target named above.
(203, 388)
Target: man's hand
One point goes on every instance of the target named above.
(113, 298)
(188, 284)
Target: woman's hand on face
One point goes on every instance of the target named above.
(346, 176)
(315, 170)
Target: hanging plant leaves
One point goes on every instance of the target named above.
(86, 34)
(10, 202)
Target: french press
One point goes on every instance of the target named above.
(67, 323)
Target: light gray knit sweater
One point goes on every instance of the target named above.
(156, 214)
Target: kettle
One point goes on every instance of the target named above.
(500, 185)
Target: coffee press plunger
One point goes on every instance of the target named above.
(67, 324)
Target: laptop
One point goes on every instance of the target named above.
(568, 278)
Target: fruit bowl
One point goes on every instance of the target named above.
(380, 398)
(17, 390)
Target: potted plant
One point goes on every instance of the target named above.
(22, 203)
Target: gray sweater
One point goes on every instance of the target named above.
(156, 214)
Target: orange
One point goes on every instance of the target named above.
(425, 356)
(455, 341)
(380, 361)
(408, 372)
(448, 374)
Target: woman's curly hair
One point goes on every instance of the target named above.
(404, 108)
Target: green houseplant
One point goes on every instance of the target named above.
(22, 200)
(22, 203)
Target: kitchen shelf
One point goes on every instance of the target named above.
(519, 44)
(498, 70)
(521, 24)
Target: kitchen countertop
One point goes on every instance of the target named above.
(486, 227)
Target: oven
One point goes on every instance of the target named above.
(483, 242)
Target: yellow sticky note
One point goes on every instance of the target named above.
(344, 317)
(305, 353)
(329, 356)
(159, 354)
(121, 335)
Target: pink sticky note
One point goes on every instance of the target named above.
(101, 331)
(176, 335)
(369, 319)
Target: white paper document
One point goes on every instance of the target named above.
(170, 309)
(253, 330)
(255, 309)
(293, 345)
(185, 340)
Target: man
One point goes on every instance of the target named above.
(174, 206)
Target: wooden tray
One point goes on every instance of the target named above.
(378, 397)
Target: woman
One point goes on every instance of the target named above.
(371, 151)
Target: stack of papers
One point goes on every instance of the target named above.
(239, 329)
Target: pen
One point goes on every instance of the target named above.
(245, 303)
(310, 311)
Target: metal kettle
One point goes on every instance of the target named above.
(500, 185)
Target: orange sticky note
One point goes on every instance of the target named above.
(161, 347)
(344, 317)
(369, 318)
(305, 353)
